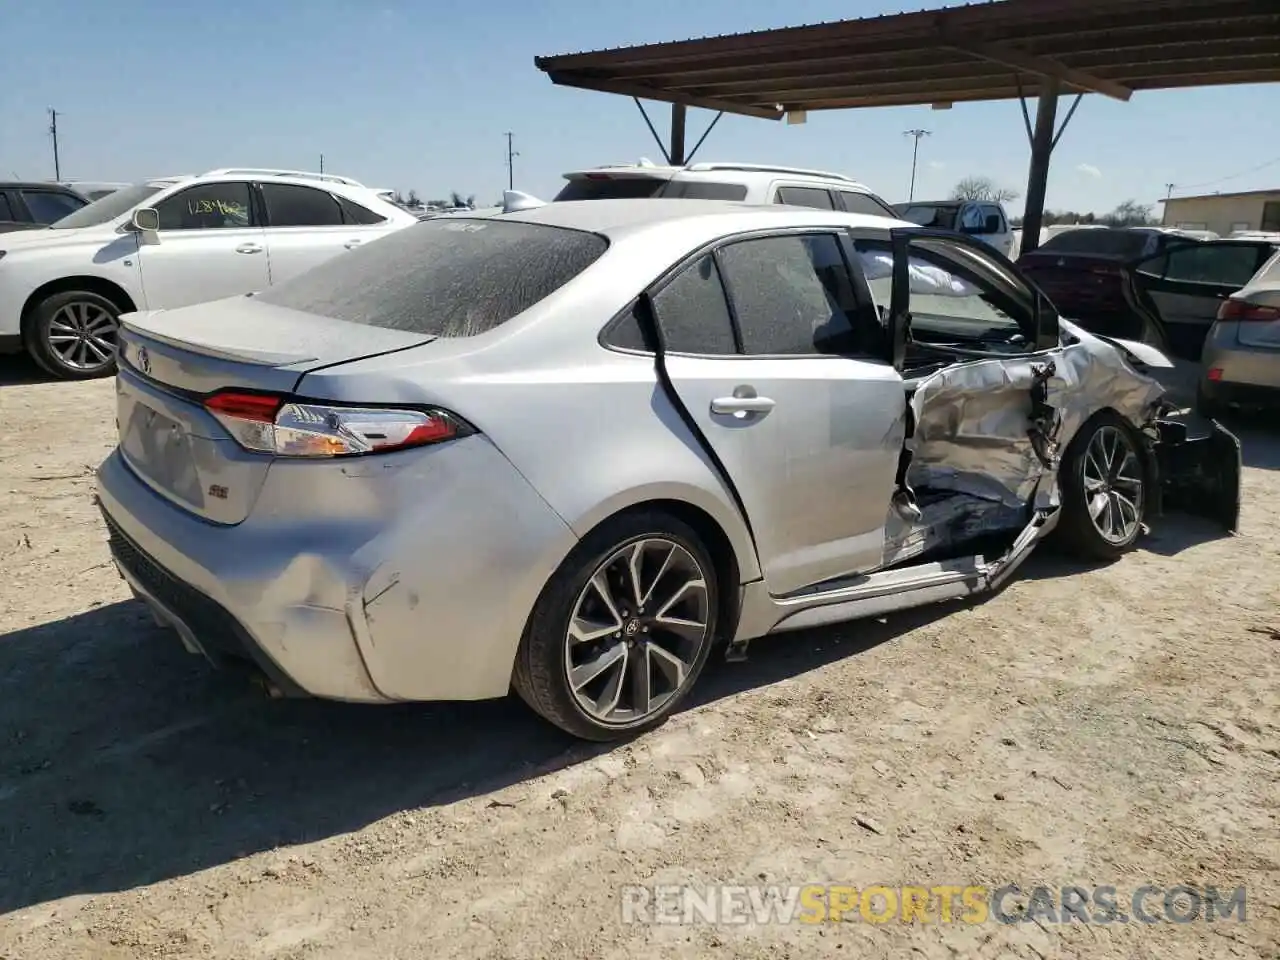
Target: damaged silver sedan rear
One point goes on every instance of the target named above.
(578, 449)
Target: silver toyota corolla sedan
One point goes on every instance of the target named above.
(577, 449)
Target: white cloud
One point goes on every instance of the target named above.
(1089, 170)
(937, 165)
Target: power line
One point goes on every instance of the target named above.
(1234, 176)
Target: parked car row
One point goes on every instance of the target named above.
(1158, 286)
(170, 242)
(179, 240)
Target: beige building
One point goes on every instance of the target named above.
(1225, 212)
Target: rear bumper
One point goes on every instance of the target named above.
(1248, 374)
(408, 579)
(1198, 465)
(1243, 394)
(205, 626)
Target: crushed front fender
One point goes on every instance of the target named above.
(1199, 466)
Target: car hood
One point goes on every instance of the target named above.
(47, 237)
(13, 226)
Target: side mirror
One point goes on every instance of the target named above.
(146, 220)
(992, 224)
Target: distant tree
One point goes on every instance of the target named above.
(982, 188)
(456, 199)
(1131, 213)
(412, 200)
(397, 199)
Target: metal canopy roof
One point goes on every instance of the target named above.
(987, 51)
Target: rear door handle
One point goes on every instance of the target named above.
(249, 248)
(736, 405)
(351, 244)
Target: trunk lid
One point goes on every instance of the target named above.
(170, 360)
(1264, 334)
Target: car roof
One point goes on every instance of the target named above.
(35, 185)
(719, 170)
(613, 218)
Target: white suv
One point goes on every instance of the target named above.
(168, 243)
(746, 182)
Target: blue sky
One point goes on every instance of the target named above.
(417, 94)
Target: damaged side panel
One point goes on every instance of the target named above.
(988, 434)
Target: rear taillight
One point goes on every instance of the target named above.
(1244, 310)
(284, 427)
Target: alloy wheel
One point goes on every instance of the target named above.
(1113, 487)
(83, 335)
(636, 631)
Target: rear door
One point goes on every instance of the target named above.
(209, 245)
(770, 353)
(305, 226)
(1186, 284)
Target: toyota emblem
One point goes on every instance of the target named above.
(144, 360)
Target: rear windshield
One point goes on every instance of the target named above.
(632, 188)
(448, 277)
(1116, 243)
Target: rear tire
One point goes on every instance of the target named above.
(1103, 477)
(622, 630)
(73, 335)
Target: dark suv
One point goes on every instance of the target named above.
(29, 206)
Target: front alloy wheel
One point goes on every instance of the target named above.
(1103, 474)
(83, 335)
(74, 335)
(1112, 474)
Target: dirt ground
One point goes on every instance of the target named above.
(1116, 726)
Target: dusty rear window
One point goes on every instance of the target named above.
(448, 277)
(635, 188)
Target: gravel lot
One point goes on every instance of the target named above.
(1112, 726)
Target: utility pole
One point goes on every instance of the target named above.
(322, 163)
(915, 152)
(511, 161)
(53, 130)
(1168, 190)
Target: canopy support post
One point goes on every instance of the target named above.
(1042, 140)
